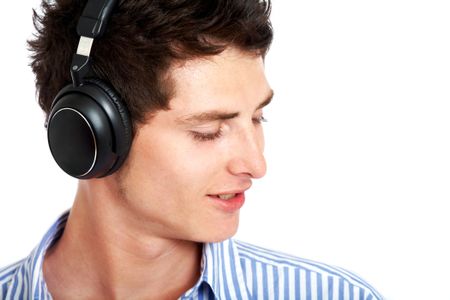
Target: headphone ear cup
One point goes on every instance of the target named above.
(89, 130)
(120, 121)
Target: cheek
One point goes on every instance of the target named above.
(200, 162)
(175, 164)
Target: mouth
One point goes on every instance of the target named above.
(230, 202)
(225, 196)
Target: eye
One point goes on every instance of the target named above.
(205, 137)
(259, 120)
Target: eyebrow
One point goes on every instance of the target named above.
(215, 115)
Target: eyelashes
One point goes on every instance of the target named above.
(205, 137)
(260, 120)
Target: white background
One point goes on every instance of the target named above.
(357, 144)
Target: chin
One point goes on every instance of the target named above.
(222, 232)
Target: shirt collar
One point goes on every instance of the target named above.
(32, 266)
(221, 270)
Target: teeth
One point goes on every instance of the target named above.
(226, 197)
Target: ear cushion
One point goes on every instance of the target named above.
(124, 140)
(124, 133)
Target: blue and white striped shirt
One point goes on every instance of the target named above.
(230, 270)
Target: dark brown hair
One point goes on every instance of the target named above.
(142, 40)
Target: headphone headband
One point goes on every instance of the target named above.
(94, 19)
(92, 24)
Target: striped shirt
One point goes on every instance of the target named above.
(229, 270)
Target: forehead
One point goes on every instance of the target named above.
(230, 79)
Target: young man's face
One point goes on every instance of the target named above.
(183, 158)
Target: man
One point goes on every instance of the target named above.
(154, 220)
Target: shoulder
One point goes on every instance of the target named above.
(295, 274)
(7, 275)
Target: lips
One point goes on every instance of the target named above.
(232, 203)
(225, 196)
(228, 195)
(234, 192)
(230, 200)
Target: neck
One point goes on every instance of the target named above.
(106, 254)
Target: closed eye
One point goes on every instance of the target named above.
(205, 137)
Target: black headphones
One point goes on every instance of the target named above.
(89, 128)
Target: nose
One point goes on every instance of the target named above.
(247, 156)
